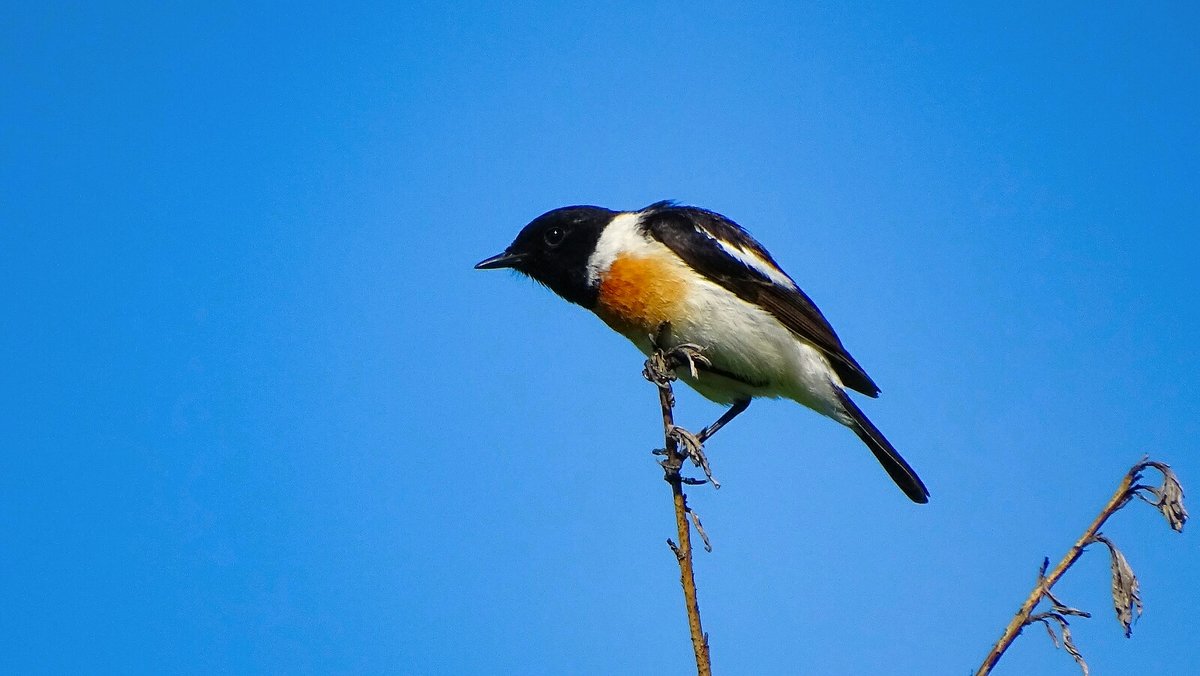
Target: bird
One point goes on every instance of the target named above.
(717, 288)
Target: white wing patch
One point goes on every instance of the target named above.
(751, 260)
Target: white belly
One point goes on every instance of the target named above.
(745, 340)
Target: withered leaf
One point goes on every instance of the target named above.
(1126, 595)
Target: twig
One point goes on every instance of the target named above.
(1168, 499)
(660, 370)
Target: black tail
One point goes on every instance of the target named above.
(901, 473)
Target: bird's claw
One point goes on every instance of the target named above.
(694, 449)
(690, 354)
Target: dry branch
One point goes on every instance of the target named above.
(660, 370)
(1167, 498)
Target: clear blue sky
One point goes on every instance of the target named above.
(260, 414)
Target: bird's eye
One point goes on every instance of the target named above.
(555, 236)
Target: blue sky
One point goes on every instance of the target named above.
(262, 416)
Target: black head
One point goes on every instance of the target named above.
(554, 250)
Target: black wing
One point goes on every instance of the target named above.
(690, 231)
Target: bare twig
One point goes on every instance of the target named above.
(660, 370)
(1168, 498)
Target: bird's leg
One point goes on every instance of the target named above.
(693, 444)
(733, 412)
(660, 370)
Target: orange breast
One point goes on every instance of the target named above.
(639, 293)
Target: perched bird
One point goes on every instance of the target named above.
(719, 289)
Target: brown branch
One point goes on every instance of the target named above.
(1168, 499)
(660, 370)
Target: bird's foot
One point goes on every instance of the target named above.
(664, 361)
(689, 354)
(694, 449)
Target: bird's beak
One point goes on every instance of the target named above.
(500, 260)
